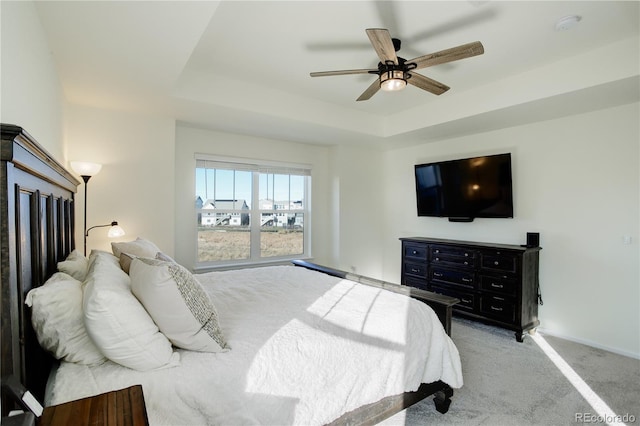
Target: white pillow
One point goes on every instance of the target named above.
(139, 247)
(118, 323)
(125, 261)
(178, 304)
(163, 256)
(75, 265)
(57, 318)
(126, 258)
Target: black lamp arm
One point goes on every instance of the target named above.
(114, 223)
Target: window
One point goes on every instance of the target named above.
(251, 212)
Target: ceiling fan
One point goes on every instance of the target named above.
(395, 72)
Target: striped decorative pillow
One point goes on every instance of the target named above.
(178, 304)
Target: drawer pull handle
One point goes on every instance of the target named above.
(493, 308)
(437, 259)
(467, 280)
(437, 274)
(494, 285)
(466, 263)
(414, 270)
(466, 255)
(466, 300)
(496, 263)
(414, 252)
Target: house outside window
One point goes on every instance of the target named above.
(250, 211)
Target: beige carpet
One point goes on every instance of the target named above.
(511, 383)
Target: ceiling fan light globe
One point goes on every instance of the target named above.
(393, 85)
(392, 81)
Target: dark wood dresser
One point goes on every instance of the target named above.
(496, 283)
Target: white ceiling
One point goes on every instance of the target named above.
(244, 66)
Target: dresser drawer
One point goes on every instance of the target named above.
(499, 284)
(453, 256)
(415, 269)
(467, 300)
(415, 252)
(445, 259)
(438, 250)
(452, 276)
(498, 307)
(499, 262)
(417, 283)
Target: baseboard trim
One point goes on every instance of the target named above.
(589, 343)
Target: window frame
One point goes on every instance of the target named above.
(257, 168)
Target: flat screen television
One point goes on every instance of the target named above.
(464, 189)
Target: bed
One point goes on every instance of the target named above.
(296, 344)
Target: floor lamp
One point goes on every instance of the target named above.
(86, 170)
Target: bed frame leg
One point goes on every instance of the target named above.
(442, 399)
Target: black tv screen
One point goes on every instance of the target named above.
(465, 189)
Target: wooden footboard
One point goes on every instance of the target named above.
(376, 412)
(442, 305)
(372, 414)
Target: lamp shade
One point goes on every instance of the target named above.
(85, 168)
(115, 231)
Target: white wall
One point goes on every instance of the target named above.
(190, 141)
(31, 94)
(136, 184)
(357, 215)
(576, 181)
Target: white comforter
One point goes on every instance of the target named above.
(306, 348)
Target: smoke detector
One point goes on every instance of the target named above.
(568, 22)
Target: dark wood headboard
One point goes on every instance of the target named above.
(37, 231)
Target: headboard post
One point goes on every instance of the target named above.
(37, 231)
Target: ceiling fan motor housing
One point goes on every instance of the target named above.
(396, 43)
(389, 70)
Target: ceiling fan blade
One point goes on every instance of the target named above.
(448, 55)
(371, 90)
(343, 72)
(382, 43)
(425, 83)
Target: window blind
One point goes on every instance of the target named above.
(282, 169)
